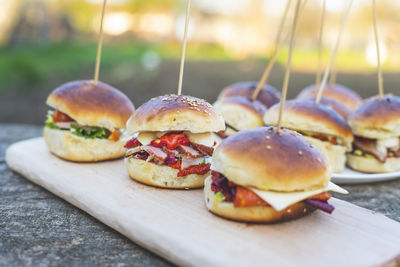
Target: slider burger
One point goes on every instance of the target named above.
(337, 106)
(319, 124)
(239, 113)
(376, 126)
(87, 121)
(337, 92)
(268, 95)
(259, 175)
(173, 141)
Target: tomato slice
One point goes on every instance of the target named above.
(134, 142)
(324, 196)
(246, 198)
(58, 116)
(114, 136)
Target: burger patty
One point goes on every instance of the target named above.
(369, 146)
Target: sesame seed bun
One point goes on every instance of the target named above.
(307, 116)
(377, 119)
(94, 105)
(176, 113)
(241, 112)
(338, 92)
(257, 214)
(268, 95)
(161, 176)
(267, 160)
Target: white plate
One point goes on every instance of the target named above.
(349, 176)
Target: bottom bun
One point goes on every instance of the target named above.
(335, 154)
(161, 175)
(372, 165)
(68, 146)
(253, 214)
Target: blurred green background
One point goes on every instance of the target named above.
(44, 43)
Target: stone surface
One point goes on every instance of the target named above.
(38, 228)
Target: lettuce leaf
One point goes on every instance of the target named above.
(219, 197)
(49, 121)
(95, 132)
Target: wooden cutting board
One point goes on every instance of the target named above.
(176, 225)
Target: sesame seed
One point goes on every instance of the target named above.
(318, 159)
(300, 152)
(268, 147)
(268, 137)
(305, 210)
(289, 211)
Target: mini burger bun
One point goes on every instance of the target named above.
(241, 112)
(337, 106)
(268, 95)
(176, 113)
(377, 119)
(161, 176)
(257, 214)
(335, 154)
(372, 165)
(71, 147)
(307, 115)
(338, 92)
(265, 159)
(94, 105)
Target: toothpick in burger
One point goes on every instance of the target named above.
(319, 124)
(173, 141)
(337, 92)
(261, 175)
(87, 121)
(376, 126)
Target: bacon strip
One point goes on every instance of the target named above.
(156, 152)
(205, 150)
(369, 146)
(189, 152)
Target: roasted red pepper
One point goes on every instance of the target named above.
(171, 140)
(195, 169)
(132, 143)
(246, 198)
(58, 116)
(177, 165)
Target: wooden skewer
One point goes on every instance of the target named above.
(333, 55)
(99, 45)
(288, 65)
(277, 46)
(332, 79)
(380, 78)
(321, 31)
(184, 48)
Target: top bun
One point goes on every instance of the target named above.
(176, 113)
(267, 160)
(268, 95)
(93, 105)
(308, 116)
(241, 112)
(338, 92)
(337, 106)
(377, 118)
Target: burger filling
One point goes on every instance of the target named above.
(177, 150)
(241, 197)
(229, 130)
(379, 149)
(61, 121)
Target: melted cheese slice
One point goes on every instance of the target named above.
(280, 201)
(206, 139)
